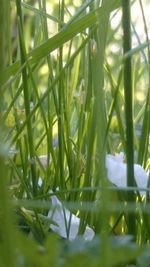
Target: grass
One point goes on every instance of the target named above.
(66, 94)
(128, 95)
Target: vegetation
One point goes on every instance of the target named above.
(73, 88)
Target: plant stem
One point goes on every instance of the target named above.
(126, 20)
(7, 233)
(60, 105)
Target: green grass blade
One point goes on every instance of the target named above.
(26, 98)
(126, 19)
(62, 37)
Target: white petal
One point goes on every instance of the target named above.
(59, 216)
(117, 172)
(141, 177)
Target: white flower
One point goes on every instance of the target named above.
(61, 217)
(117, 172)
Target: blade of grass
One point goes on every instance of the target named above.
(126, 20)
(7, 233)
(144, 141)
(115, 86)
(26, 98)
(62, 37)
(61, 105)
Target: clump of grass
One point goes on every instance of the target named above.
(63, 96)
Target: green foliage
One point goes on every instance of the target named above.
(62, 95)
